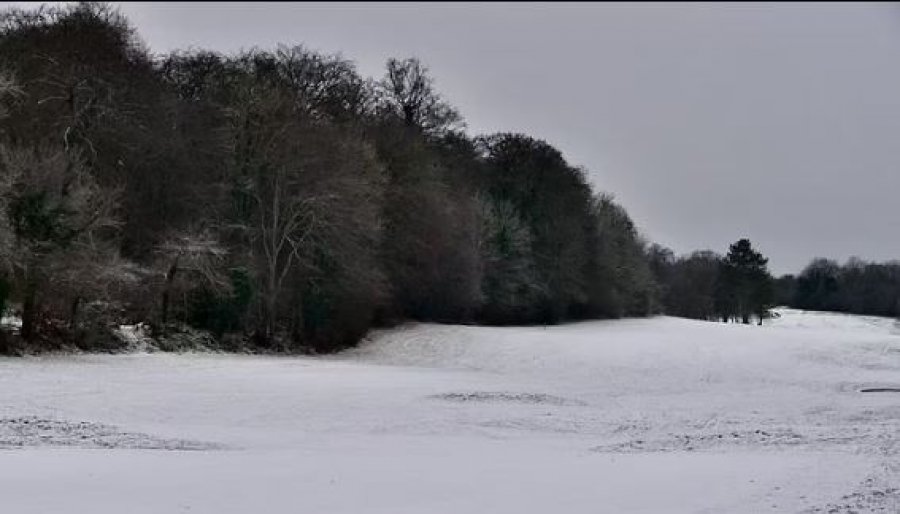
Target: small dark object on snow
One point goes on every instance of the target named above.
(880, 390)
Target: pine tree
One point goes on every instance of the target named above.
(746, 282)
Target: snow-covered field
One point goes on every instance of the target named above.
(635, 416)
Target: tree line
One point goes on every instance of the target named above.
(277, 199)
(856, 287)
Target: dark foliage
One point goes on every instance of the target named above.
(857, 287)
(279, 198)
(706, 285)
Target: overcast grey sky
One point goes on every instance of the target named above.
(780, 123)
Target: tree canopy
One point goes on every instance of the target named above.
(279, 197)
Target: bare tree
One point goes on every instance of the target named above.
(408, 92)
(307, 197)
(92, 271)
(194, 259)
(308, 209)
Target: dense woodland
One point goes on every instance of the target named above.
(277, 200)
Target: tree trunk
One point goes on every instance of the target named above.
(73, 313)
(167, 291)
(29, 314)
(297, 329)
(271, 307)
(273, 292)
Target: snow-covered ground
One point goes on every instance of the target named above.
(636, 416)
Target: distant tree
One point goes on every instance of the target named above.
(746, 282)
(857, 287)
(818, 285)
(661, 261)
(694, 286)
(431, 224)
(785, 289)
(555, 201)
(621, 282)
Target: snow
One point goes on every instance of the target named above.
(631, 416)
(10, 322)
(136, 337)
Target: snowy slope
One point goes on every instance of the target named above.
(633, 416)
